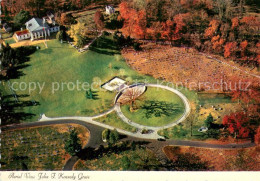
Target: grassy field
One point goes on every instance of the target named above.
(5, 34)
(10, 41)
(156, 107)
(113, 120)
(218, 108)
(40, 148)
(60, 65)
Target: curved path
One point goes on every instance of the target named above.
(91, 120)
(155, 129)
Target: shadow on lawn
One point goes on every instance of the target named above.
(19, 57)
(92, 153)
(160, 108)
(11, 113)
(185, 161)
(105, 46)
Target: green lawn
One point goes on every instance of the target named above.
(5, 35)
(62, 64)
(156, 107)
(10, 41)
(113, 120)
(39, 148)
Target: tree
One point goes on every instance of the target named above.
(211, 30)
(237, 124)
(8, 57)
(126, 163)
(217, 43)
(105, 135)
(257, 136)
(168, 30)
(243, 46)
(134, 21)
(72, 145)
(66, 18)
(99, 20)
(235, 22)
(113, 137)
(130, 96)
(209, 120)
(61, 35)
(230, 48)
(78, 33)
(21, 18)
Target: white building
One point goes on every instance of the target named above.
(22, 35)
(37, 28)
(110, 10)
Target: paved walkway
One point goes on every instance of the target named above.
(90, 120)
(152, 130)
(155, 129)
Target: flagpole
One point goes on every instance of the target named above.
(45, 33)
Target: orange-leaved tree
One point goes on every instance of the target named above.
(237, 124)
(257, 135)
(213, 27)
(134, 21)
(229, 49)
(243, 46)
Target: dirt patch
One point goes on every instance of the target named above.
(27, 43)
(186, 67)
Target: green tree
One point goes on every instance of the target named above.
(126, 163)
(8, 57)
(209, 120)
(21, 18)
(72, 145)
(61, 35)
(113, 137)
(105, 134)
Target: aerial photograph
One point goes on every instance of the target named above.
(130, 85)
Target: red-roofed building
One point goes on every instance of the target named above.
(22, 35)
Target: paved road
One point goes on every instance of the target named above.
(94, 141)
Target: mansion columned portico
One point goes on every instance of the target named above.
(37, 28)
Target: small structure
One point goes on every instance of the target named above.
(203, 129)
(22, 35)
(115, 84)
(50, 18)
(110, 10)
(7, 28)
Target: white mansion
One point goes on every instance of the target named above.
(37, 28)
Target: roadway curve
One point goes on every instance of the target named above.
(95, 139)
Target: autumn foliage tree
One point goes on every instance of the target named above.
(134, 21)
(211, 30)
(99, 20)
(230, 48)
(237, 124)
(257, 136)
(243, 46)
